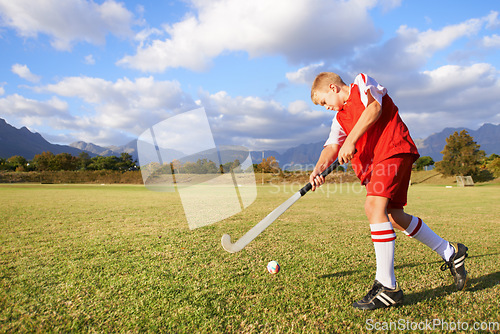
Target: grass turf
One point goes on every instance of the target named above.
(94, 258)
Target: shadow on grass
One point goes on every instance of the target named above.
(416, 264)
(446, 290)
(473, 285)
(339, 274)
(484, 282)
(481, 255)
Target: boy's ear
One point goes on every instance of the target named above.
(333, 87)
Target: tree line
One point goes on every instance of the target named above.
(48, 161)
(206, 166)
(201, 166)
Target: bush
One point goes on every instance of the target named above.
(494, 167)
(104, 176)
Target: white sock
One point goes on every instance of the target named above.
(383, 238)
(423, 233)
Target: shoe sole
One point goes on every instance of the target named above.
(465, 284)
(396, 305)
(466, 276)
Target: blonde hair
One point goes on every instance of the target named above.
(322, 81)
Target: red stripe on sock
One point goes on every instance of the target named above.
(384, 240)
(419, 225)
(382, 232)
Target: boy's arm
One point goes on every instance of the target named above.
(328, 155)
(369, 116)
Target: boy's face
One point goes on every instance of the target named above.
(330, 98)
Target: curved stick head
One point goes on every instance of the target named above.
(226, 243)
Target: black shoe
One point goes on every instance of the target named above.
(457, 265)
(380, 297)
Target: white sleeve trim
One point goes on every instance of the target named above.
(366, 83)
(337, 134)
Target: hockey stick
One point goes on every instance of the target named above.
(270, 218)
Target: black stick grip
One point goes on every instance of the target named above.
(324, 173)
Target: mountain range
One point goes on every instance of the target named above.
(27, 144)
(487, 136)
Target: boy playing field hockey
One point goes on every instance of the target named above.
(368, 131)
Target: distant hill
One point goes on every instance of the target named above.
(487, 136)
(300, 157)
(96, 149)
(130, 148)
(25, 143)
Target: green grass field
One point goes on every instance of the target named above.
(91, 258)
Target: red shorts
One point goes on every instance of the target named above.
(390, 178)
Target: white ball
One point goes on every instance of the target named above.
(273, 267)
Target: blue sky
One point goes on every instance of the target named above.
(105, 71)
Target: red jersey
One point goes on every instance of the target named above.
(387, 137)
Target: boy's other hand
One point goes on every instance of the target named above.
(316, 179)
(346, 153)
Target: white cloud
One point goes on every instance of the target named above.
(143, 35)
(430, 41)
(401, 58)
(450, 95)
(492, 41)
(454, 79)
(89, 60)
(297, 107)
(388, 5)
(305, 75)
(68, 21)
(24, 72)
(34, 111)
(116, 111)
(300, 30)
(492, 20)
(128, 105)
(263, 124)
